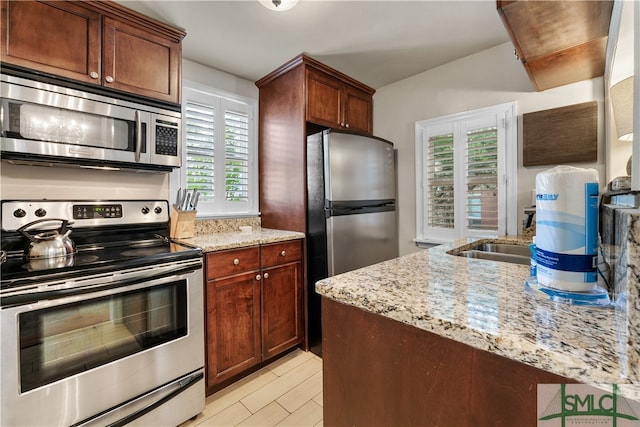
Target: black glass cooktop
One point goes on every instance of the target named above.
(96, 253)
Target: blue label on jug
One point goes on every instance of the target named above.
(567, 262)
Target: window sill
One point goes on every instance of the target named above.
(429, 243)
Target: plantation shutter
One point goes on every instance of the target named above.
(200, 146)
(463, 175)
(482, 178)
(440, 181)
(236, 156)
(219, 151)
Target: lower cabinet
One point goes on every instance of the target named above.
(422, 378)
(254, 306)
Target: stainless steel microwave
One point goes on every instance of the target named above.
(43, 123)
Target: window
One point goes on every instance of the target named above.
(219, 153)
(466, 175)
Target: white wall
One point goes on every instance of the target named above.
(40, 182)
(37, 182)
(487, 78)
(220, 80)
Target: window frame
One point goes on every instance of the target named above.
(219, 208)
(504, 116)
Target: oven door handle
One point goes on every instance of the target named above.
(101, 282)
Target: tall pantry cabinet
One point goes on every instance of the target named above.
(297, 99)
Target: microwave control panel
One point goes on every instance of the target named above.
(166, 138)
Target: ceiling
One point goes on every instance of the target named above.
(375, 42)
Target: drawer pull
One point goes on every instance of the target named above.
(266, 275)
(283, 253)
(258, 277)
(236, 261)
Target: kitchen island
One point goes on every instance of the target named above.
(436, 339)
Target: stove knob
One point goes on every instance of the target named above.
(19, 213)
(145, 210)
(158, 210)
(40, 213)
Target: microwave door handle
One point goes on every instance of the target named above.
(138, 136)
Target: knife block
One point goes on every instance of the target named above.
(182, 224)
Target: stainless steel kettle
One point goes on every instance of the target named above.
(48, 244)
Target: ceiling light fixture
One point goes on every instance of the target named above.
(278, 5)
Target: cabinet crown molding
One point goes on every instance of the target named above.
(108, 7)
(308, 61)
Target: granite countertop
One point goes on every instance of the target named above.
(217, 241)
(483, 304)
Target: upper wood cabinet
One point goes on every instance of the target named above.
(136, 60)
(332, 99)
(61, 38)
(334, 103)
(299, 98)
(558, 42)
(100, 43)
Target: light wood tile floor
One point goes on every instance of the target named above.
(287, 392)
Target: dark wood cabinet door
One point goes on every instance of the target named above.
(61, 38)
(358, 110)
(138, 61)
(233, 326)
(281, 308)
(323, 99)
(331, 102)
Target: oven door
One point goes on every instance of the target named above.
(109, 349)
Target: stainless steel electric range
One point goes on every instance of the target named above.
(101, 315)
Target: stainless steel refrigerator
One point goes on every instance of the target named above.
(351, 209)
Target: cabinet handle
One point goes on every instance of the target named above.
(283, 253)
(236, 261)
(342, 124)
(258, 277)
(266, 275)
(94, 75)
(109, 79)
(347, 125)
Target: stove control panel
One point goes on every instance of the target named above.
(84, 213)
(97, 211)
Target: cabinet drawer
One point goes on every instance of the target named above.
(281, 253)
(235, 261)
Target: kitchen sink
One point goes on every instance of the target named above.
(495, 251)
